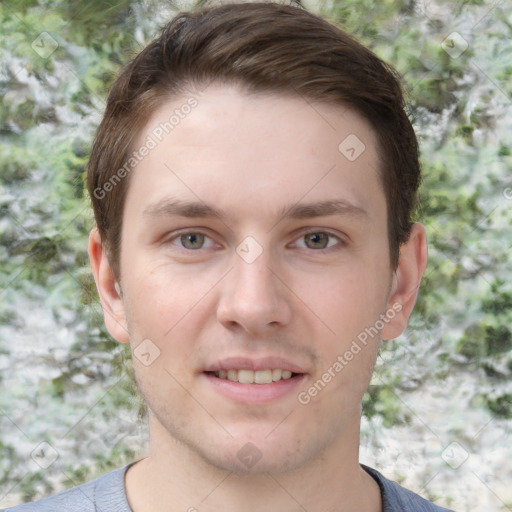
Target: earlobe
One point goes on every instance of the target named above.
(406, 281)
(108, 288)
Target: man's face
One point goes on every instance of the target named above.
(253, 241)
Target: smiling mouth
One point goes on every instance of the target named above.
(255, 377)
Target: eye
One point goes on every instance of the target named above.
(318, 240)
(193, 241)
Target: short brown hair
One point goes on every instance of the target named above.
(264, 47)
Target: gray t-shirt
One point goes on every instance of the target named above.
(107, 494)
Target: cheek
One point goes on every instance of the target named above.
(161, 299)
(171, 312)
(346, 301)
(164, 325)
(349, 309)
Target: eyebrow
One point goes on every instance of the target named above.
(199, 209)
(323, 209)
(169, 207)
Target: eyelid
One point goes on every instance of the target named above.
(187, 231)
(175, 235)
(310, 231)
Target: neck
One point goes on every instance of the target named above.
(176, 477)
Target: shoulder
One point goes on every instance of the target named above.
(396, 498)
(106, 492)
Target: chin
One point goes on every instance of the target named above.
(249, 460)
(258, 453)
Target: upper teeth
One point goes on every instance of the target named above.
(251, 377)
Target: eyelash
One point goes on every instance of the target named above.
(339, 241)
(178, 236)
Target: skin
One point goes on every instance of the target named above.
(253, 157)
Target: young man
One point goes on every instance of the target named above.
(253, 180)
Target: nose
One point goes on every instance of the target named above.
(254, 298)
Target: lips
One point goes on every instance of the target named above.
(259, 367)
(263, 371)
(247, 391)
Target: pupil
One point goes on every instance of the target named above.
(317, 240)
(192, 240)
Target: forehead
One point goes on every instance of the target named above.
(248, 150)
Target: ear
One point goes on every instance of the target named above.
(108, 289)
(406, 281)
